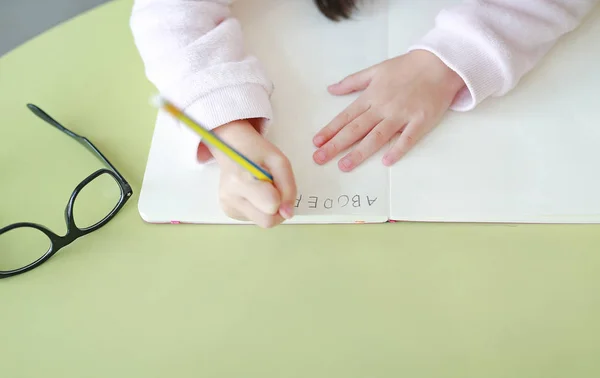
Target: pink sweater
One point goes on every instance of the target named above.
(193, 51)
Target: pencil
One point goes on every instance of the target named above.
(211, 138)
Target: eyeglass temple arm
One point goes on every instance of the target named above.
(80, 139)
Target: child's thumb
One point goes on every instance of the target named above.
(355, 82)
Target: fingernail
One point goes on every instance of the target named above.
(320, 156)
(319, 140)
(287, 211)
(346, 163)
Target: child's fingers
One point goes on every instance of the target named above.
(283, 179)
(352, 83)
(347, 136)
(413, 132)
(354, 110)
(253, 214)
(377, 138)
(261, 194)
(203, 153)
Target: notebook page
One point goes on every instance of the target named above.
(531, 156)
(303, 53)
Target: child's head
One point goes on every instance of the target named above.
(336, 9)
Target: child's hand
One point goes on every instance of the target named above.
(408, 94)
(242, 196)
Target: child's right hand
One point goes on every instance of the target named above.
(242, 196)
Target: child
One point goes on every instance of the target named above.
(193, 52)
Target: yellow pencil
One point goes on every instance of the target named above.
(212, 139)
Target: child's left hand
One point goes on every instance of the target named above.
(408, 94)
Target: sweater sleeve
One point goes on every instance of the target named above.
(193, 53)
(492, 44)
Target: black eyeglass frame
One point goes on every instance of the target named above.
(73, 232)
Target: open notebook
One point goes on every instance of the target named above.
(531, 156)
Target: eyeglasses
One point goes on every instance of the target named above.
(25, 246)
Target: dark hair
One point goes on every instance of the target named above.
(336, 9)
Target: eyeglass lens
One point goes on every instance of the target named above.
(96, 200)
(22, 246)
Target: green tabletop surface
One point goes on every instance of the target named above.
(140, 300)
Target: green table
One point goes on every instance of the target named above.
(138, 300)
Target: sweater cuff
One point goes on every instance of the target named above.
(472, 60)
(223, 106)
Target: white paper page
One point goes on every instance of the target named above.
(303, 52)
(531, 156)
